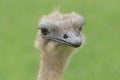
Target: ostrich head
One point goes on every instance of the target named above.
(60, 29)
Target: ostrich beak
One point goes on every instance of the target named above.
(76, 44)
(70, 39)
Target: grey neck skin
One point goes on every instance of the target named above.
(53, 63)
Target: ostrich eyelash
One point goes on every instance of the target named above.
(38, 28)
(44, 31)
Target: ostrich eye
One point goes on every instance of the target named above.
(44, 31)
(80, 28)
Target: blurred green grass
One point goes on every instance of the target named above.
(98, 59)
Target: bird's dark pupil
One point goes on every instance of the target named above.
(44, 31)
(80, 28)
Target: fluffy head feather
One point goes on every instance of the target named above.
(61, 20)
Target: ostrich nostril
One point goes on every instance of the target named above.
(65, 36)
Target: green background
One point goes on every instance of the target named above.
(98, 59)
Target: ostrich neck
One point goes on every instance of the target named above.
(53, 64)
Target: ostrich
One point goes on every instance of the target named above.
(57, 37)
